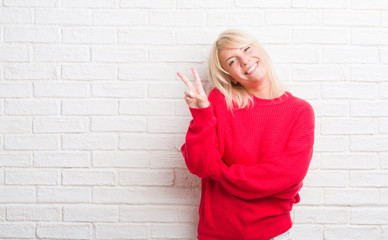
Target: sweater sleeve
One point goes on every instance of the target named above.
(199, 150)
(278, 176)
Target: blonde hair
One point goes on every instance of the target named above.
(220, 79)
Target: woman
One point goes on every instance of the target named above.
(250, 142)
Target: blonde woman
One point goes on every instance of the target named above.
(250, 142)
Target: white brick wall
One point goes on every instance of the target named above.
(92, 115)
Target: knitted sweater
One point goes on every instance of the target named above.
(251, 163)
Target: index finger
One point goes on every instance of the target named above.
(197, 79)
(186, 81)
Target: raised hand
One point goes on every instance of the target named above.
(195, 97)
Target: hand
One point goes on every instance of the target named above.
(196, 96)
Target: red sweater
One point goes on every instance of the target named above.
(252, 163)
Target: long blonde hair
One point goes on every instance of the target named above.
(236, 93)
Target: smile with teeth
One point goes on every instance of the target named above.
(252, 68)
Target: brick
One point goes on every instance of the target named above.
(181, 109)
(319, 72)
(351, 196)
(204, 4)
(32, 34)
(371, 4)
(384, 90)
(369, 179)
(173, 230)
(27, 3)
(293, 17)
(88, 177)
(383, 196)
(89, 35)
(330, 108)
(348, 161)
(125, 159)
(15, 16)
(177, 18)
(149, 37)
(319, 4)
(89, 107)
(196, 36)
(321, 36)
(30, 71)
(137, 72)
(319, 178)
(369, 215)
(122, 231)
(32, 177)
(167, 125)
(64, 230)
(15, 90)
(163, 213)
(384, 18)
(34, 213)
(148, 3)
(351, 232)
(347, 126)
(234, 18)
(118, 55)
(17, 230)
(120, 17)
(348, 91)
(376, 73)
(331, 143)
(146, 177)
(61, 89)
(178, 54)
(149, 195)
(13, 52)
(118, 124)
(16, 159)
(311, 196)
(15, 125)
(146, 142)
(90, 3)
(183, 178)
(84, 213)
(351, 17)
(369, 143)
(384, 160)
(167, 90)
(122, 89)
(2, 214)
(322, 215)
(383, 123)
(293, 54)
(146, 107)
(63, 16)
(89, 71)
(31, 142)
(60, 125)
(89, 142)
(308, 232)
(369, 37)
(61, 53)
(61, 159)
(369, 108)
(167, 159)
(63, 194)
(349, 55)
(17, 194)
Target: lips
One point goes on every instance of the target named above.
(252, 68)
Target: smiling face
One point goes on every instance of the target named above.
(246, 65)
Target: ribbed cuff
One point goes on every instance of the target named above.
(202, 116)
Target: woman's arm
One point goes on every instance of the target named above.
(279, 176)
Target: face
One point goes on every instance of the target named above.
(246, 65)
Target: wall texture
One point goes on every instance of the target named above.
(92, 114)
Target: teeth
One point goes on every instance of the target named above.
(252, 68)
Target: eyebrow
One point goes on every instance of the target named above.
(233, 55)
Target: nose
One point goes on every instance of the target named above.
(244, 60)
